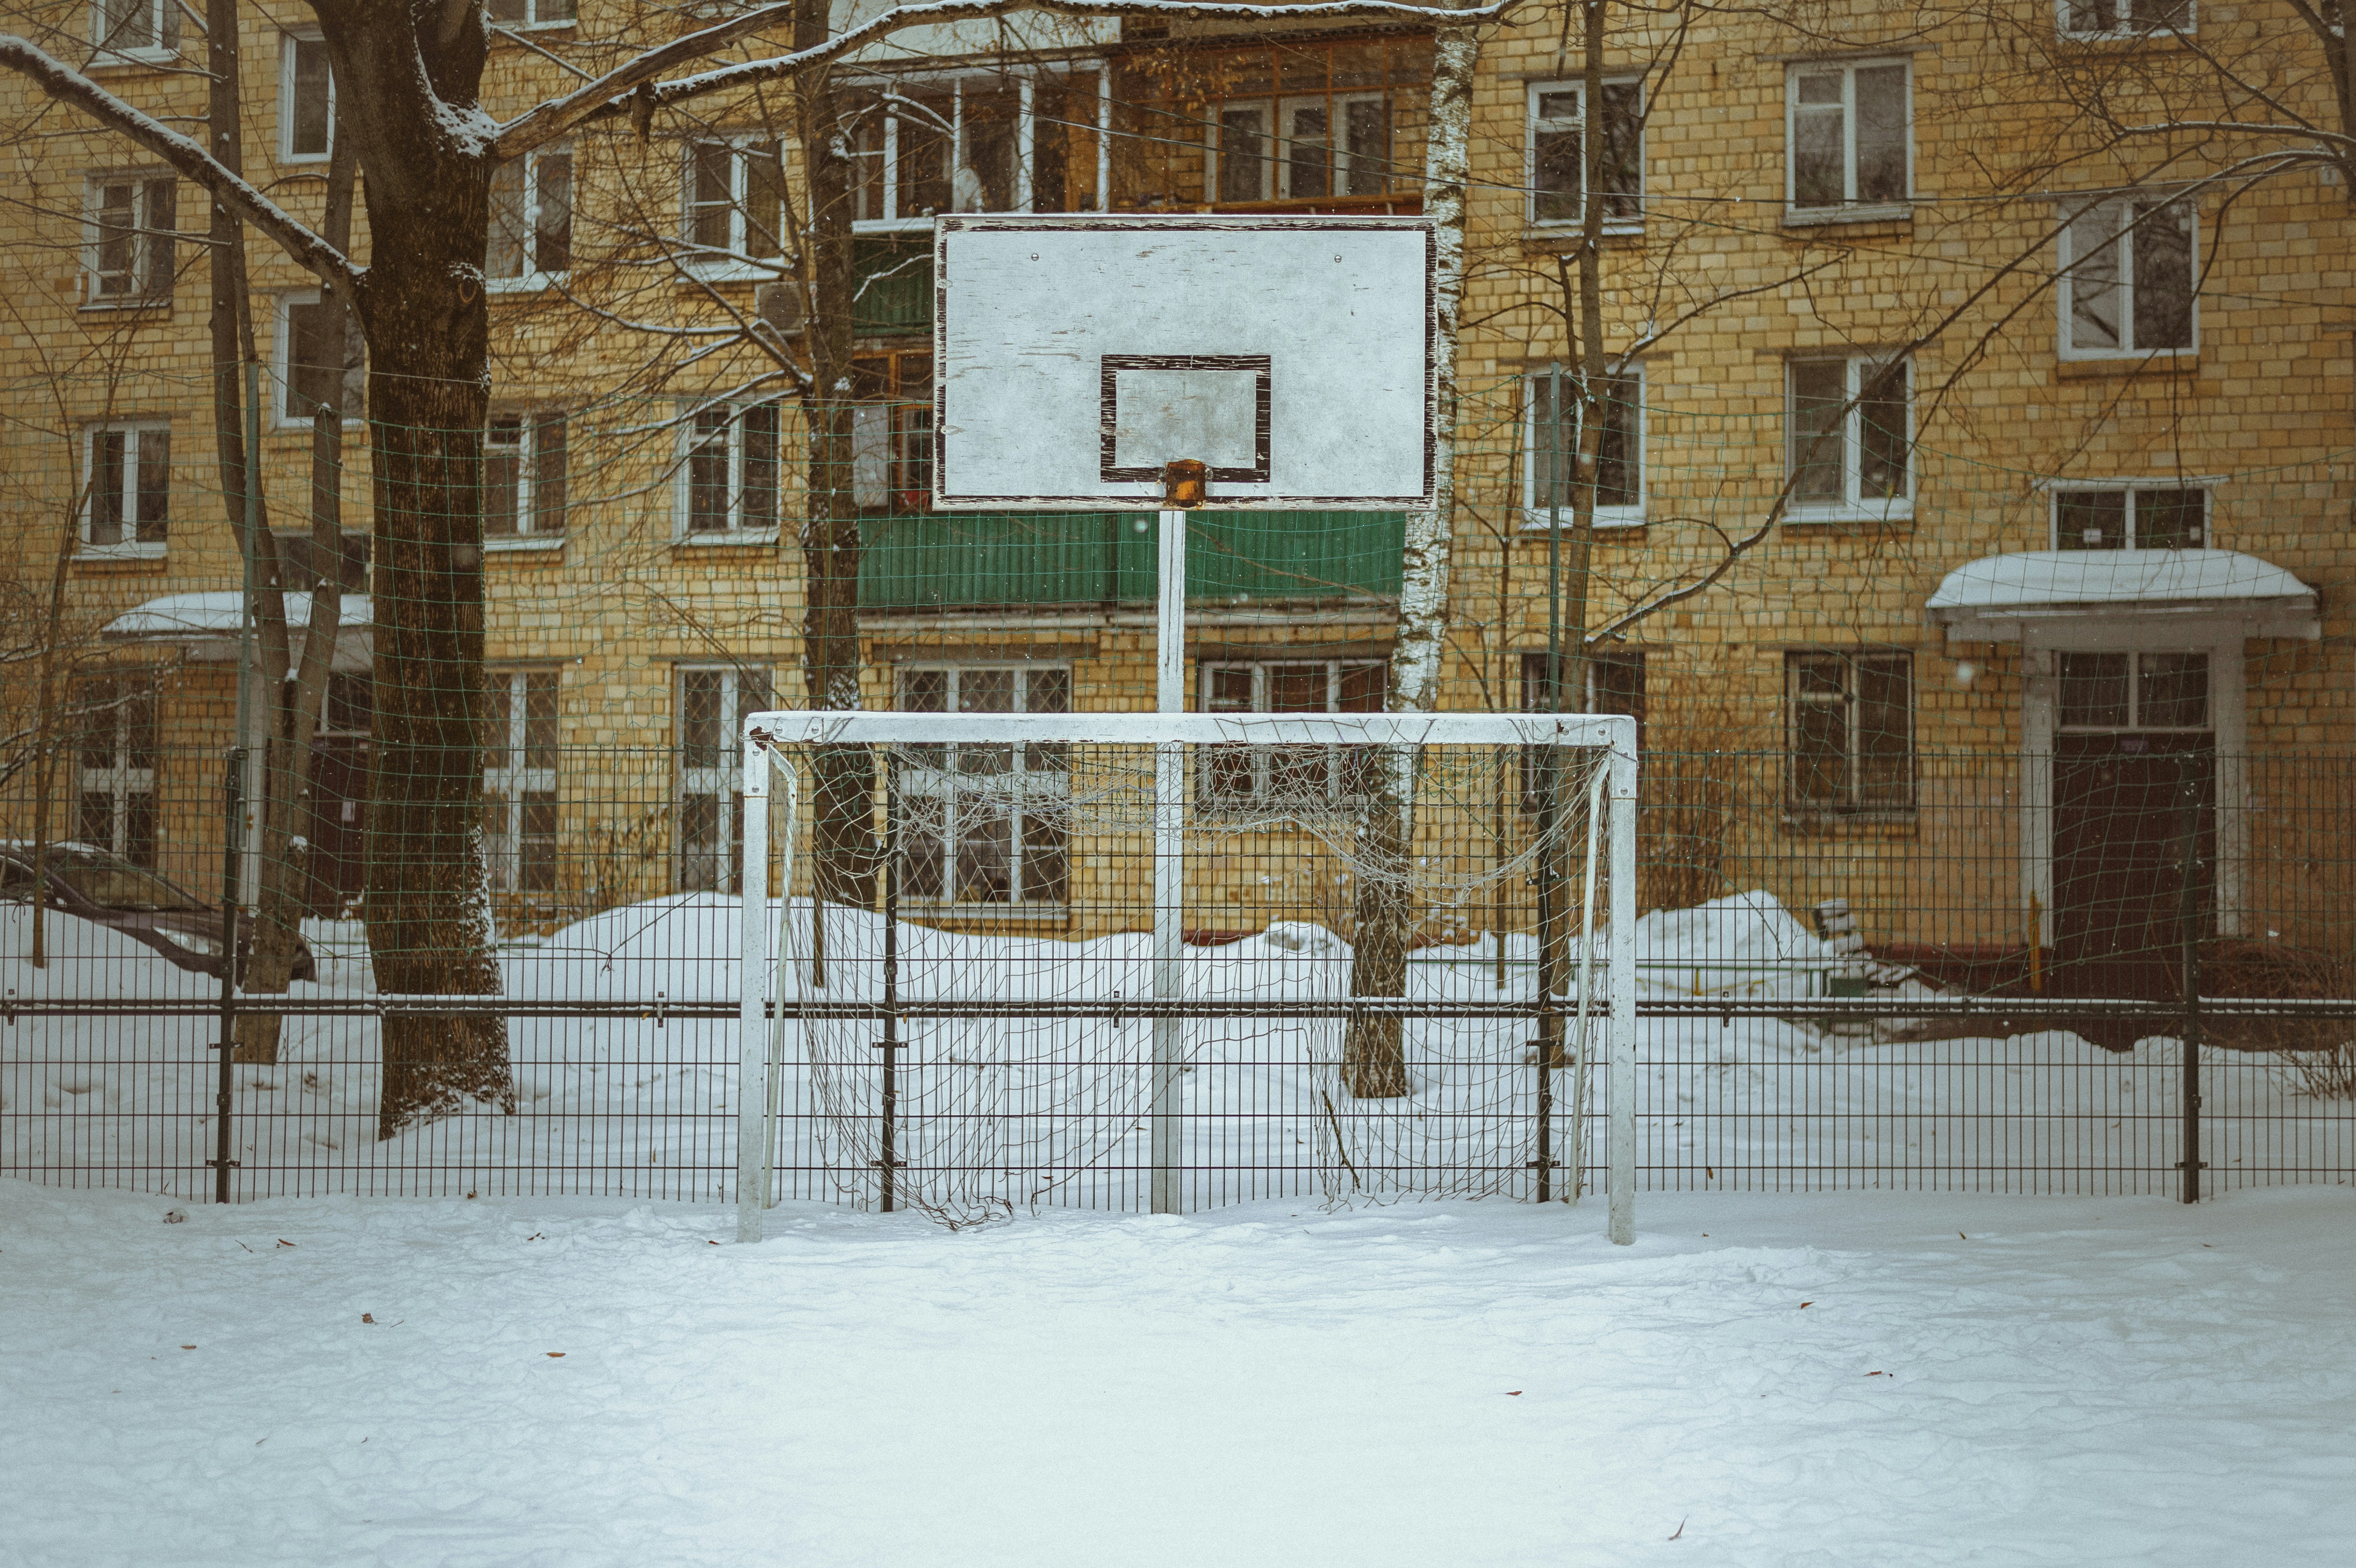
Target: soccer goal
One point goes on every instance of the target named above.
(1173, 960)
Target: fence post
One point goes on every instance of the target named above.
(1622, 992)
(1169, 864)
(753, 1128)
(232, 821)
(887, 1141)
(2188, 924)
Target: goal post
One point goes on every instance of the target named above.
(1002, 1088)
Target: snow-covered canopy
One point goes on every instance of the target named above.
(1988, 598)
(207, 624)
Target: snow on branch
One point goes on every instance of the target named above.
(639, 78)
(67, 85)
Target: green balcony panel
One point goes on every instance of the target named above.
(976, 559)
(893, 286)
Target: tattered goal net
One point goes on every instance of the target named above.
(1133, 961)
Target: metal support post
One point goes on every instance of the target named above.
(1621, 989)
(753, 1126)
(2188, 922)
(1169, 863)
(233, 835)
(888, 1142)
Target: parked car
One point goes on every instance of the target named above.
(107, 890)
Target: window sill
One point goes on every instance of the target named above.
(2158, 362)
(1565, 231)
(1831, 217)
(727, 273)
(1897, 822)
(91, 555)
(1534, 521)
(567, 24)
(304, 160)
(150, 304)
(1045, 916)
(528, 545)
(766, 537)
(134, 59)
(1850, 516)
(2130, 36)
(530, 283)
(893, 226)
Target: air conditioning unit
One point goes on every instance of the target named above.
(779, 304)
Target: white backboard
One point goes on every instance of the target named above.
(1074, 356)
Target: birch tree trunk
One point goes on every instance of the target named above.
(1385, 909)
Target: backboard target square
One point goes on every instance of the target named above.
(1159, 408)
(1076, 355)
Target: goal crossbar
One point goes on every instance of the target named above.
(768, 782)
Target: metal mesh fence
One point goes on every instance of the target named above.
(1901, 997)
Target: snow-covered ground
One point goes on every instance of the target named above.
(643, 1106)
(1874, 1378)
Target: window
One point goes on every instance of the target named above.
(2135, 691)
(306, 102)
(320, 361)
(712, 706)
(1851, 436)
(979, 145)
(1302, 149)
(985, 825)
(1550, 447)
(523, 475)
(129, 251)
(116, 766)
(735, 194)
(519, 756)
(531, 217)
(728, 483)
(1283, 777)
(1336, 125)
(2128, 280)
(1850, 734)
(892, 432)
(128, 468)
(1615, 684)
(2122, 18)
(531, 13)
(1849, 142)
(2140, 517)
(1558, 166)
(127, 30)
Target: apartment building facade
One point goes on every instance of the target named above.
(2095, 520)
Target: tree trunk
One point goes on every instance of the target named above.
(1387, 911)
(843, 828)
(408, 94)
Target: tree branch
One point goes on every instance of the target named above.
(66, 85)
(610, 93)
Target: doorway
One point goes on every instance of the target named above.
(2135, 788)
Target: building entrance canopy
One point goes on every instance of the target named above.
(2013, 597)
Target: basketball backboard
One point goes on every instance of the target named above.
(1074, 356)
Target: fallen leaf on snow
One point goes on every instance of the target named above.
(284, 1243)
(367, 1317)
(1807, 1304)
(187, 1347)
(555, 1355)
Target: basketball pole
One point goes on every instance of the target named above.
(1169, 835)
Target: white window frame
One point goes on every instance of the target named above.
(2206, 486)
(514, 781)
(716, 781)
(1026, 142)
(1850, 209)
(1262, 795)
(119, 779)
(1276, 165)
(535, 277)
(532, 20)
(1850, 507)
(164, 25)
(153, 239)
(1025, 780)
(690, 442)
(281, 351)
(733, 260)
(291, 47)
(136, 434)
(2123, 22)
(1535, 124)
(1533, 458)
(2118, 217)
(531, 426)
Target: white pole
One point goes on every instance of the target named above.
(1583, 1061)
(1169, 863)
(1621, 990)
(752, 1127)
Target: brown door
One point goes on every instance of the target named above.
(338, 805)
(2123, 804)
